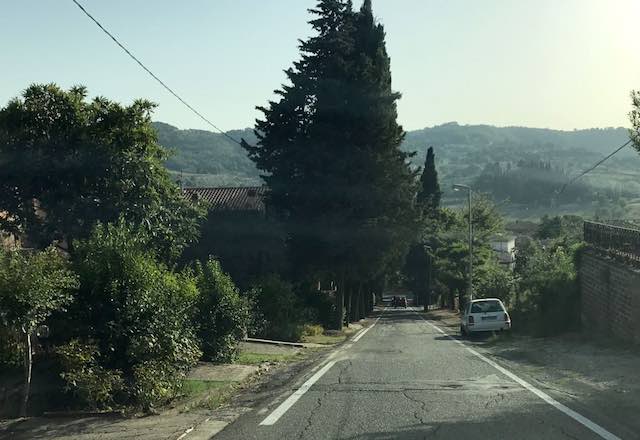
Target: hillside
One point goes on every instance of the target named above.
(527, 166)
(204, 158)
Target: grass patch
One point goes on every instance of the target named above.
(194, 387)
(259, 358)
(312, 330)
(209, 394)
(325, 339)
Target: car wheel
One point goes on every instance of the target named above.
(463, 331)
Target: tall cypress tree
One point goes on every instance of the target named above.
(330, 147)
(429, 195)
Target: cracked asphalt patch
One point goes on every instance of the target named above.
(403, 380)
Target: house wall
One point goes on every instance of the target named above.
(610, 297)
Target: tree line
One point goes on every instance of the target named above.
(114, 285)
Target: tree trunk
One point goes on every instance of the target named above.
(28, 362)
(362, 308)
(349, 307)
(339, 306)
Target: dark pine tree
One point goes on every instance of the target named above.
(330, 149)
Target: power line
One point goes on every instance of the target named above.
(600, 162)
(154, 76)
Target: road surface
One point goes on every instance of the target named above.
(404, 379)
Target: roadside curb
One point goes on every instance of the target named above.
(272, 342)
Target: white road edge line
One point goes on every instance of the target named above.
(272, 418)
(542, 395)
(284, 406)
(364, 331)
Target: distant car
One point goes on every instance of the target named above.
(484, 315)
(399, 301)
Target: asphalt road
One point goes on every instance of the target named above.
(404, 379)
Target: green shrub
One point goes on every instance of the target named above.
(282, 310)
(136, 310)
(85, 378)
(222, 314)
(11, 350)
(156, 383)
(549, 296)
(312, 330)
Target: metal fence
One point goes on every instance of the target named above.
(616, 240)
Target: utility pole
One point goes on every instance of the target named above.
(459, 187)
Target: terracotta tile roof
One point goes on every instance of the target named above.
(248, 198)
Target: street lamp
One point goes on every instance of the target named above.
(427, 299)
(459, 187)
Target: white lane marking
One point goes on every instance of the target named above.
(364, 331)
(284, 406)
(187, 432)
(542, 395)
(291, 400)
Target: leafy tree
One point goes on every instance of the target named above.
(453, 245)
(32, 287)
(220, 312)
(68, 163)
(330, 150)
(566, 226)
(136, 311)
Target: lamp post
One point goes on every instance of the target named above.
(427, 299)
(459, 187)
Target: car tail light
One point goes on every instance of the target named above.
(506, 317)
(471, 322)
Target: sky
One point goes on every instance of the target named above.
(562, 64)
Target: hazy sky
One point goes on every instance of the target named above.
(544, 63)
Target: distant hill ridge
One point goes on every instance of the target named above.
(205, 158)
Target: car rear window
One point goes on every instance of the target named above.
(486, 307)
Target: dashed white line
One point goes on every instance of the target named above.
(542, 395)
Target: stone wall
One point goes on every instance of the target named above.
(610, 297)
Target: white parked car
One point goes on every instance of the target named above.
(484, 315)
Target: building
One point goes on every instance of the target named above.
(243, 199)
(504, 247)
(238, 232)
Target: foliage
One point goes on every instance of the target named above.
(465, 152)
(430, 194)
(452, 244)
(549, 295)
(568, 226)
(136, 310)
(493, 281)
(68, 163)
(635, 119)
(248, 245)
(200, 152)
(32, 286)
(280, 307)
(11, 350)
(329, 150)
(221, 313)
(85, 377)
(535, 183)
